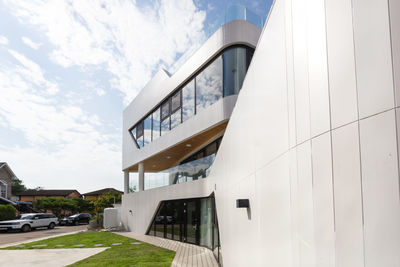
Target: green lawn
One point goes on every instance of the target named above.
(121, 255)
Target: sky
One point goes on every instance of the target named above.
(69, 68)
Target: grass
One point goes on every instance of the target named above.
(121, 255)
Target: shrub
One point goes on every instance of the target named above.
(7, 212)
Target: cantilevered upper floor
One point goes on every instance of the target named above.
(175, 116)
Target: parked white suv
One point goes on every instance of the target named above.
(30, 221)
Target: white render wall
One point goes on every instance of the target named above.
(312, 141)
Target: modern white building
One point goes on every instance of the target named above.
(301, 168)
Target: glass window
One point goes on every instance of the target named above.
(165, 126)
(209, 85)
(206, 219)
(165, 111)
(176, 118)
(176, 101)
(139, 134)
(235, 69)
(147, 130)
(139, 129)
(160, 221)
(133, 132)
(156, 124)
(188, 100)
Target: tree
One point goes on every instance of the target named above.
(56, 205)
(17, 187)
(107, 200)
(84, 205)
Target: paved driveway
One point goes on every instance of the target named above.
(45, 257)
(14, 237)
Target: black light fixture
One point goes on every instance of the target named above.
(242, 203)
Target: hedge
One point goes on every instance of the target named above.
(7, 212)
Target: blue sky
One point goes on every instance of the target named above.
(69, 68)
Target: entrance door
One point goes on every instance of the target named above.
(192, 221)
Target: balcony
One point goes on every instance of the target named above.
(190, 171)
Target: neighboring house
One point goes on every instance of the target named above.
(98, 193)
(32, 194)
(7, 176)
(301, 168)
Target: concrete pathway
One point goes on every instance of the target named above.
(187, 255)
(45, 257)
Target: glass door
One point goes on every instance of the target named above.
(192, 221)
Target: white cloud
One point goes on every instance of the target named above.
(100, 92)
(30, 43)
(64, 144)
(131, 43)
(3, 40)
(33, 73)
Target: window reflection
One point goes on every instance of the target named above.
(139, 134)
(156, 124)
(235, 69)
(147, 130)
(165, 125)
(188, 100)
(176, 118)
(209, 85)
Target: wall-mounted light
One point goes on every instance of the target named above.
(242, 203)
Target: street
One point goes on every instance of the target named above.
(13, 237)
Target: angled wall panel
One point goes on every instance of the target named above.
(373, 56)
(323, 200)
(273, 196)
(380, 190)
(305, 205)
(348, 201)
(341, 65)
(302, 103)
(394, 13)
(317, 67)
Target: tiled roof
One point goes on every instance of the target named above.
(50, 192)
(102, 191)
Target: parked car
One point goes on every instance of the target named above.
(30, 221)
(76, 219)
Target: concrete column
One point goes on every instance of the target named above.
(141, 176)
(126, 182)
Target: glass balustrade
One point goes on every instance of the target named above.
(190, 171)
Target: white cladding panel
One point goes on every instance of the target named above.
(380, 184)
(348, 201)
(300, 56)
(305, 205)
(394, 14)
(317, 67)
(323, 185)
(323, 200)
(373, 56)
(341, 65)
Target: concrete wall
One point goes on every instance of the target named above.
(312, 142)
